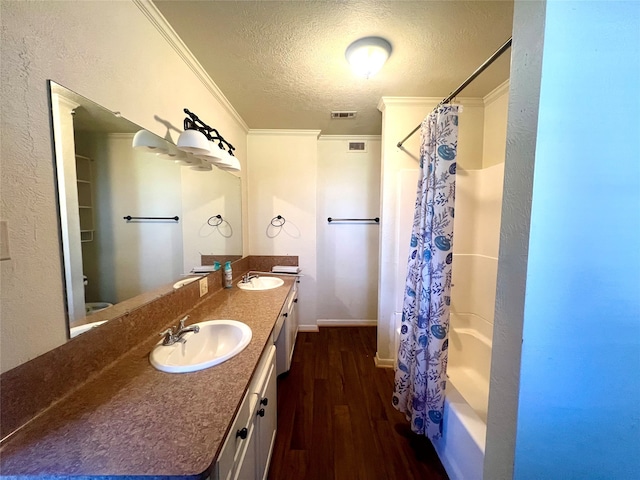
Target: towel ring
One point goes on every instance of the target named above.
(279, 221)
(218, 220)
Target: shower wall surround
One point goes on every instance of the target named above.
(399, 116)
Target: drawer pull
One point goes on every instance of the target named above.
(285, 315)
(261, 412)
(264, 401)
(242, 433)
(295, 300)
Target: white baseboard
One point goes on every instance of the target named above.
(330, 322)
(308, 328)
(384, 362)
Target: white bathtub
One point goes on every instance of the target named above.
(461, 448)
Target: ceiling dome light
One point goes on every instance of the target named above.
(367, 55)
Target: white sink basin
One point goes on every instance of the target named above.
(261, 283)
(216, 342)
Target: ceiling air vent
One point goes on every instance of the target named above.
(343, 114)
(357, 147)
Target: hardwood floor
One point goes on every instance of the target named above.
(335, 418)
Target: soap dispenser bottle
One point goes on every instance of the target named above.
(228, 275)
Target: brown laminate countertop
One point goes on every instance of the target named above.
(133, 420)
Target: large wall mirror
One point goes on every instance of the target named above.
(180, 209)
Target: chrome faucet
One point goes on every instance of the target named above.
(170, 338)
(247, 277)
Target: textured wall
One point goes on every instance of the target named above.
(348, 187)
(111, 53)
(526, 59)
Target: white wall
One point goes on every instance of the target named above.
(206, 194)
(579, 399)
(113, 54)
(134, 257)
(282, 175)
(348, 187)
(399, 117)
(565, 386)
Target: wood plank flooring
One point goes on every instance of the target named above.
(335, 418)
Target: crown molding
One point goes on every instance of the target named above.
(169, 34)
(349, 137)
(283, 132)
(497, 92)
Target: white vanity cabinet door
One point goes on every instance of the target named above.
(287, 339)
(242, 457)
(232, 447)
(293, 327)
(267, 421)
(246, 465)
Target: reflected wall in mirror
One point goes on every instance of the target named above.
(102, 180)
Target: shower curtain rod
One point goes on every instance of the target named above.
(473, 76)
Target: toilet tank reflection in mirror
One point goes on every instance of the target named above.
(102, 180)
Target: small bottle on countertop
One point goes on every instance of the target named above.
(228, 275)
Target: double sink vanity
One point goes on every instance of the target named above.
(214, 416)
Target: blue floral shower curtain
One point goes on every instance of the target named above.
(420, 377)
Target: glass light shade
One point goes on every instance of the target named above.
(222, 157)
(147, 141)
(188, 160)
(193, 141)
(367, 55)
(172, 153)
(214, 154)
(232, 164)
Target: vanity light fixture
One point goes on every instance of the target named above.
(205, 142)
(202, 166)
(212, 155)
(171, 153)
(231, 164)
(193, 141)
(188, 160)
(367, 55)
(147, 141)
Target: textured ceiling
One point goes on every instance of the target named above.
(282, 65)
